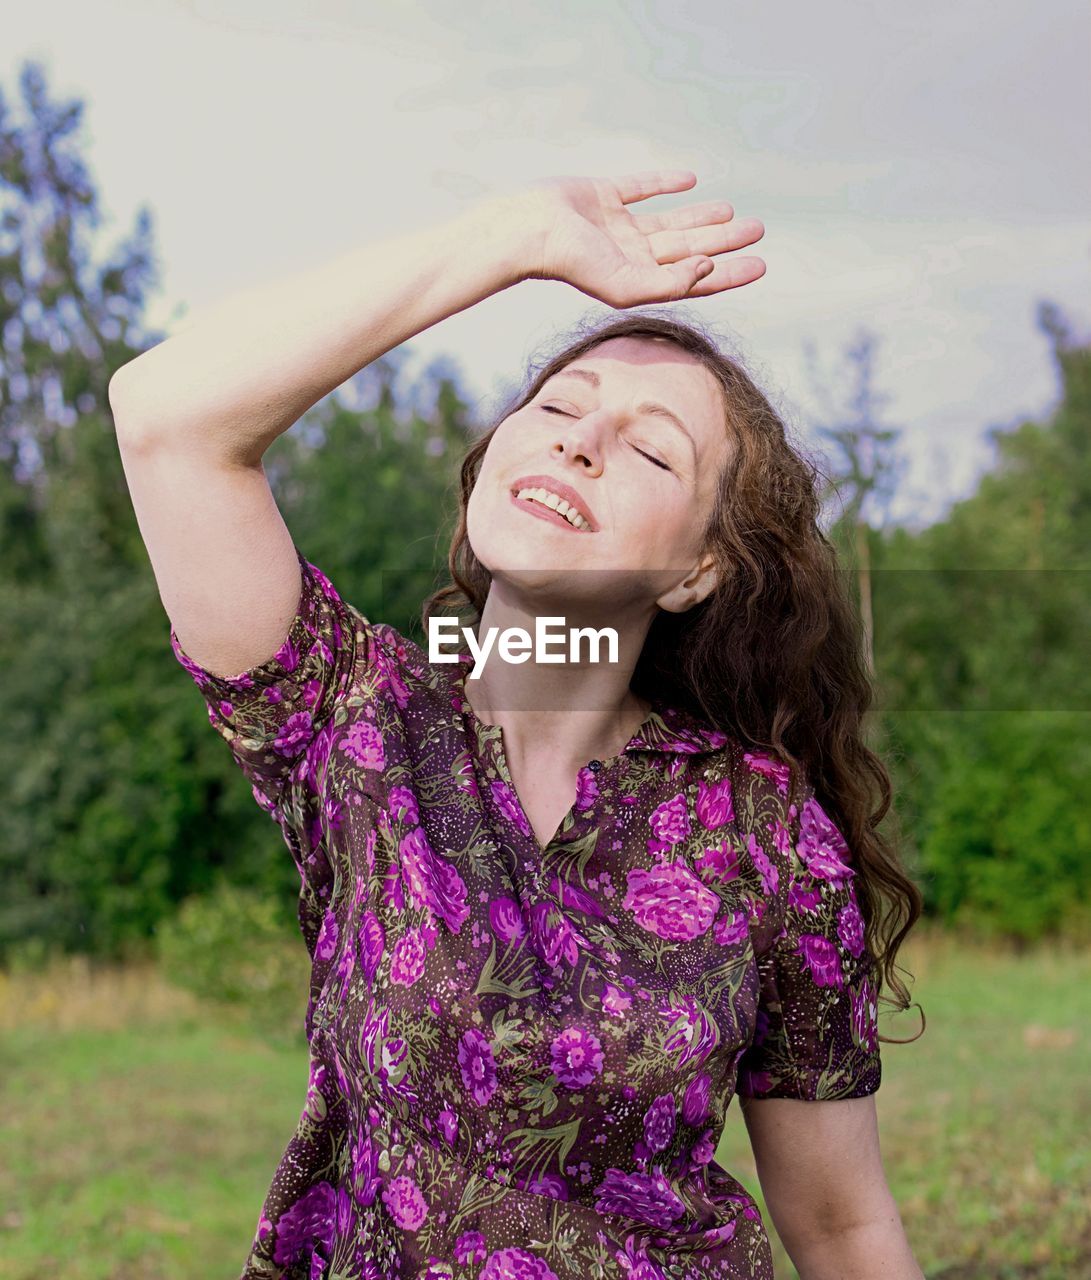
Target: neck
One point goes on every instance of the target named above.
(570, 711)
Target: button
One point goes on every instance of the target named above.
(594, 765)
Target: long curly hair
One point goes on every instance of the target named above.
(774, 654)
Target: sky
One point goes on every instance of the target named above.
(919, 170)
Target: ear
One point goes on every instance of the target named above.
(698, 584)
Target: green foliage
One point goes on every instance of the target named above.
(120, 802)
(1004, 847)
(234, 947)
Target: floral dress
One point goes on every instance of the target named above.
(521, 1058)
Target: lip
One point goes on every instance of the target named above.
(562, 490)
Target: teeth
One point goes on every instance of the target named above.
(557, 504)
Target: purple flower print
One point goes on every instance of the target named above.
(804, 899)
(587, 789)
(294, 735)
(552, 936)
(407, 1205)
(447, 1122)
(462, 771)
(670, 902)
(820, 956)
(822, 847)
(506, 920)
(756, 908)
(327, 937)
(576, 1057)
(616, 1002)
(405, 829)
(407, 958)
(392, 680)
(395, 1059)
(545, 1184)
(345, 967)
(363, 743)
(850, 926)
(317, 755)
(720, 861)
(403, 804)
(478, 1067)
(702, 1151)
(573, 898)
(346, 1217)
(315, 1107)
(646, 1197)
(366, 1178)
(715, 804)
(374, 1029)
(659, 1123)
(760, 762)
(694, 1034)
(782, 836)
(695, 1101)
(731, 928)
(721, 1235)
(470, 1248)
(865, 1017)
(514, 1263)
(433, 882)
(307, 1225)
(634, 1261)
(370, 939)
(770, 876)
(509, 805)
(669, 823)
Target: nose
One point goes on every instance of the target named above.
(579, 443)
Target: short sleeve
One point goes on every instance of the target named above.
(816, 1035)
(270, 714)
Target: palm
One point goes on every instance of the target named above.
(593, 242)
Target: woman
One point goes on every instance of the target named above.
(558, 913)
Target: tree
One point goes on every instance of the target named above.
(867, 465)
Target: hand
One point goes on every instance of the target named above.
(579, 230)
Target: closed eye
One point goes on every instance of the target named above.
(550, 408)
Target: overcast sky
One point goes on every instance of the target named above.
(921, 169)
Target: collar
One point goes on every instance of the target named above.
(675, 731)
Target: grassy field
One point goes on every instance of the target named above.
(140, 1129)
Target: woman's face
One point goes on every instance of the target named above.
(644, 483)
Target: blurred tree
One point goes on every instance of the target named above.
(119, 801)
(867, 467)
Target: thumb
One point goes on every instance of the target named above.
(685, 274)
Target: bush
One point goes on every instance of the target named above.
(234, 948)
(1008, 827)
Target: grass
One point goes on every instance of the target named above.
(140, 1129)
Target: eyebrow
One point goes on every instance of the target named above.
(649, 406)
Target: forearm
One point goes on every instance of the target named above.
(232, 381)
(873, 1251)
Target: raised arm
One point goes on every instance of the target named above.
(230, 382)
(195, 414)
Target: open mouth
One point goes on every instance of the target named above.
(550, 505)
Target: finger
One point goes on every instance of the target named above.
(674, 246)
(640, 285)
(727, 273)
(653, 182)
(710, 213)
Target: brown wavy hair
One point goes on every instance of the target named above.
(774, 654)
